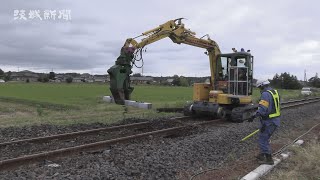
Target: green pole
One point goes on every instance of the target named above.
(247, 137)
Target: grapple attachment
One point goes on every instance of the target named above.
(120, 76)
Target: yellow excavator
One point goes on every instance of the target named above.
(228, 95)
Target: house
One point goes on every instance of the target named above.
(170, 80)
(141, 80)
(55, 81)
(86, 77)
(24, 76)
(77, 80)
(59, 78)
(101, 78)
(89, 80)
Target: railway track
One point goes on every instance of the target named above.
(110, 135)
(293, 103)
(300, 102)
(131, 132)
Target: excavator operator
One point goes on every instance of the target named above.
(269, 115)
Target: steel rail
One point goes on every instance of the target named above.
(73, 134)
(28, 159)
(282, 103)
(81, 133)
(300, 100)
(294, 104)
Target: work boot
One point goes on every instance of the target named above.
(267, 159)
(260, 157)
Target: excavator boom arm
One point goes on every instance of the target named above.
(175, 30)
(211, 46)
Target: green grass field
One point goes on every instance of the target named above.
(78, 94)
(38, 103)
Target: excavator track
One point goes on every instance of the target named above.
(240, 114)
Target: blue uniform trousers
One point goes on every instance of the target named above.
(267, 128)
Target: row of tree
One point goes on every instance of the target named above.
(315, 81)
(43, 78)
(5, 76)
(177, 80)
(287, 81)
(282, 81)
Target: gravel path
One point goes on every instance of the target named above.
(164, 158)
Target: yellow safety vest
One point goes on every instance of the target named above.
(276, 100)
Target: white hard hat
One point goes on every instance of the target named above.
(262, 83)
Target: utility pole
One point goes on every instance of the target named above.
(305, 75)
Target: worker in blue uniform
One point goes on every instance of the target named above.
(269, 114)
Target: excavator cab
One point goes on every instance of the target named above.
(234, 73)
(229, 94)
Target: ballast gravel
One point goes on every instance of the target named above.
(155, 157)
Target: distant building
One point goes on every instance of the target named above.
(86, 77)
(141, 80)
(59, 78)
(73, 75)
(170, 80)
(77, 80)
(101, 78)
(55, 80)
(24, 76)
(90, 80)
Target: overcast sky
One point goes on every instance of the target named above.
(284, 36)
